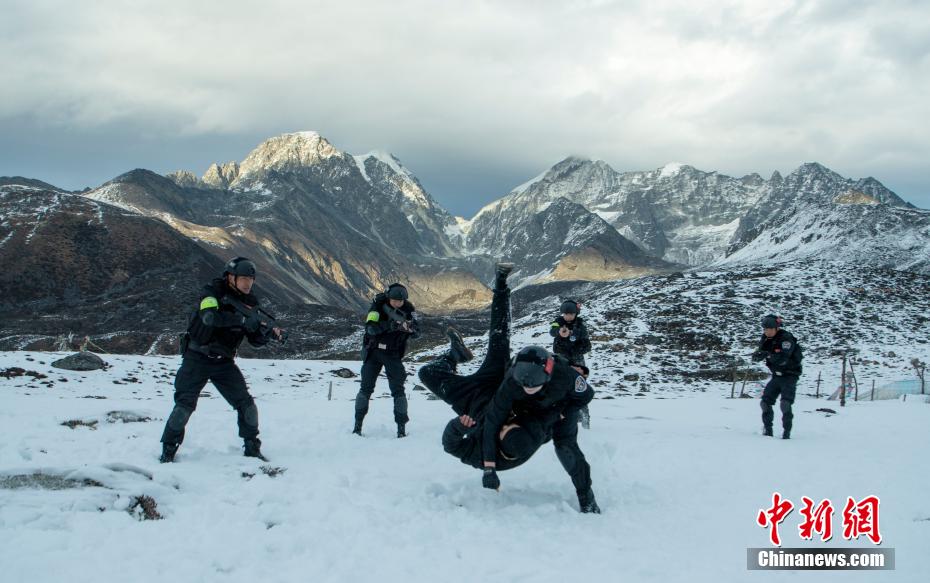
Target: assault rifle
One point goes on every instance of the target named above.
(266, 322)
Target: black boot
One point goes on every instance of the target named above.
(786, 434)
(584, 416)
(501, 271)
(168, 451)
(253, 448)
(401, 430)
(767, 431)
(358, 427)
(458, 352)
(587, 503)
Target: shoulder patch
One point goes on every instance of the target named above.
(373, 317)
(580, 384)
(786, 345)
(208, 302)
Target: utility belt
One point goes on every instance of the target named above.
(384, 347)
(207, 350)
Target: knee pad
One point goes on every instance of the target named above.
(179, 417)
(250, 414)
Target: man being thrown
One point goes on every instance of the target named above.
(501, 422)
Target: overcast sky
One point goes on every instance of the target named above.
(473, 97)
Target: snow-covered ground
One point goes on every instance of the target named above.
(680, 477)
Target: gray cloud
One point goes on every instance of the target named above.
(475, 97)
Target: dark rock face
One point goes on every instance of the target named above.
(579, 244)
(76, 265)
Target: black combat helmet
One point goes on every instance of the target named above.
(397, 291)
(771, 321)
(518, 444)
(570, 307)
(532, 366)
(240, 266)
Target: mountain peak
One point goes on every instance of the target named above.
(671, 169)
(221, 176)
(814, 168)
(288, 152)
(390, 160)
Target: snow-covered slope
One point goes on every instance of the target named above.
(680, 480)
(860, 232)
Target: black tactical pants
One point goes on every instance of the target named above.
(462, 392)
(228, 380)
(786, 387)
(565, 439)
(394, 369)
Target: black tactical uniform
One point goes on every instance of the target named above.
(564, 394)
(783, 357)
(486, 397)
(215, 331)
(386, 333)
(574, 347)
(578, 343)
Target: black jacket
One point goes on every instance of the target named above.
(565, 390)
(383, 327)
(466, 443)
(216, 329)
(782, 354)
(576, 344)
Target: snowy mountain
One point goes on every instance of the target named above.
(854, 228)
(435, 226)
(807, 189)
(560, 241)
(676, 212)
(328, 227)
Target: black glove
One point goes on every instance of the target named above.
(490, 479)
(758, 356)
(252, 324)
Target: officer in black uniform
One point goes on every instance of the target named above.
(224, 317)
(539, 385)
(499, 428)
(391, 321)
(569, 334)
(570, 339)
(782, 356)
